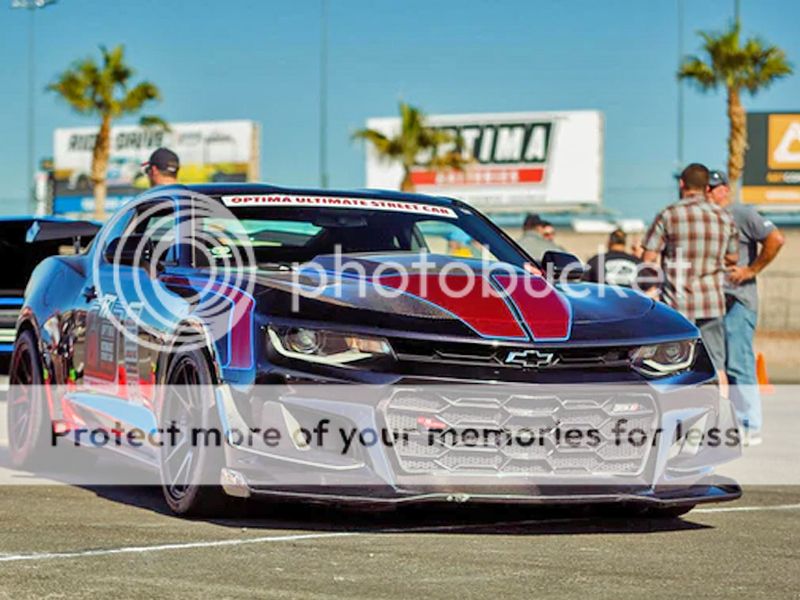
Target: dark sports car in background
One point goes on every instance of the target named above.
(323, 290)
(25, 242)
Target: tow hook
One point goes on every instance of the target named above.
(458, 498)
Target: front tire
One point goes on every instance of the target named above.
(28, 415)
(186, 467)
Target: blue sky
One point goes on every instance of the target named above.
(227, 59)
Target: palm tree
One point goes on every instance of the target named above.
(416, 143)
(750, 66)
(104, 90)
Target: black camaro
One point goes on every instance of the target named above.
(363, 347)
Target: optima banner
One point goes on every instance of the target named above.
(517, 160)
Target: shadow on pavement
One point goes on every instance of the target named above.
(425, 518)
(431, 518)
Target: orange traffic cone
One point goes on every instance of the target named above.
(761, 375)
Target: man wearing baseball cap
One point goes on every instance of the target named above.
(741, 299)
(162, 167)
(533, 239)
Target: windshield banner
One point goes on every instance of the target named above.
(338, 202)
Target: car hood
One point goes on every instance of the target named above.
(390, 292)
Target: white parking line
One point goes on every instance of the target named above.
(36, 556)
(39, 556)
(723, 509)
(162, 547)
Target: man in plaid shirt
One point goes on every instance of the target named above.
(695, 241)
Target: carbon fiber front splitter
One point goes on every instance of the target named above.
(713, 489)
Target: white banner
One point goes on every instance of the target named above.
(195, 143)
(282, 200)
(210, 151)
(520, 161)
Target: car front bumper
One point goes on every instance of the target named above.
(667, 472)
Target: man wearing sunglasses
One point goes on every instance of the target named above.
(162, 167)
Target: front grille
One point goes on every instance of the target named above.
(437, 424)
(418, 353)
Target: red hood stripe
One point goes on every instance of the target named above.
(471, 299)
(545, 311)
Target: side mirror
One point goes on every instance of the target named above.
(132, 250)
(562, 264)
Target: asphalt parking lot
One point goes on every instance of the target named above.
(70, 541)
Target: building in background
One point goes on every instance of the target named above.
(771, 176)
(521, 161)
(210, 151)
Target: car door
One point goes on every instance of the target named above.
(131, 312)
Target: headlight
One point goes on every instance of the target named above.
(663, 359)
(327, 347)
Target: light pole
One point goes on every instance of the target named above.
(323, 95)
(680, 87)
(31, 6)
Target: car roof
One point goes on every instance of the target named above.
(219, 189)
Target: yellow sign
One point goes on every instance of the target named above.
(783, 142)
(766, 194)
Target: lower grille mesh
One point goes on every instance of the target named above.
(440, 431)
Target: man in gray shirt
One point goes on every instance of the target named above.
(741, 295)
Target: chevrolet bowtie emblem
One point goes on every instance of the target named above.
(531, 359)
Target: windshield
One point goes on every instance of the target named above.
(296, 235)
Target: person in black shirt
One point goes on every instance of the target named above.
(617, 266)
